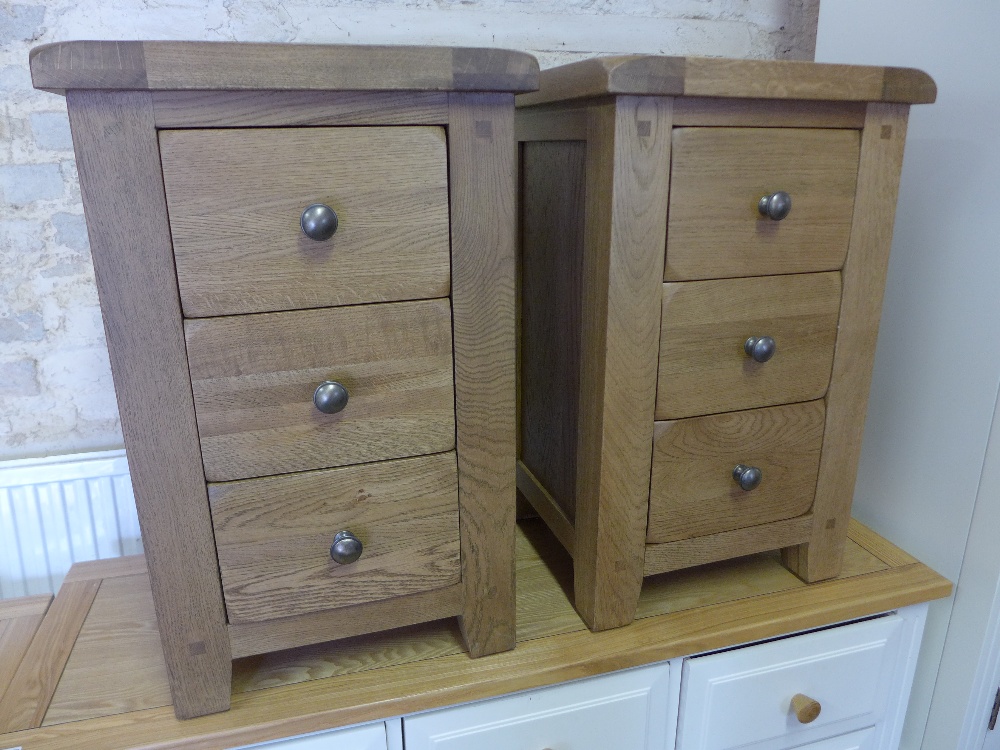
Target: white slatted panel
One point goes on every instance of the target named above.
(61, 510)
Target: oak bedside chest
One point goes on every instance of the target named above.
(704, 250)
(306, 263)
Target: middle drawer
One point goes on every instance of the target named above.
(254, 378)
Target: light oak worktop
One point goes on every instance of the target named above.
(95, 673)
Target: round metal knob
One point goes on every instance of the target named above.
(775, 206)
(330, 397)
(760, 348)
(319, 222)
(346, 548)
(806, 709)
(747, 477)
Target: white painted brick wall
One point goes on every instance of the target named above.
(56, 394)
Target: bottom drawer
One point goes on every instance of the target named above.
(273, 536)
(625, 710)
(739, 697)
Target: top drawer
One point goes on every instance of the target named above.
(718, 176)
(235, 199)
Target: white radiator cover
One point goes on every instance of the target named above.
(61, 510)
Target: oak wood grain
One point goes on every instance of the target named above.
(767, 113)
(692, 490)
(254, 377)
(482, 178)
(864, 283)
(119, 164)
(718, 175)
(552, 205)
(628, 157)
(26, 699)
(273, 536)
(242, 109)
(166, 65)
(419, 668)
(19, 621)
(236, 197)
(703, 366)
(113, 567)
(546, 506)
(121, 619)
(684, 553)
(756, 79)
(252, 638)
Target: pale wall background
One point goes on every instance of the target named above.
(56, 394)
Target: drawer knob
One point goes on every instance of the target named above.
(330, 397)
(775, 206)
(319, 222)
(346, 548)
(760, 348)
(806, 709)
(747, 477)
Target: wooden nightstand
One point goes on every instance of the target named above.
(306, 259)
(696, 357)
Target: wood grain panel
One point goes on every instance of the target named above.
(19, 620)
(236, 196)
(242, 109)
(718, 175)
(254, 377)
(684, 553)
(864, 284)
(483, 179)
(628, 155)
(27, 697)
(227, 65)
(703, 366)
(117, 156)
(552, 204)
(693, 493)
(121, 617)
(274, 535)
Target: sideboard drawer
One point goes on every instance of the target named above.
(719, 175)
(235, 199)
(704, 366)
(274, 535)
(739, 697)
(625, 710)
(255, 377)
(694, 490)
(367, 737)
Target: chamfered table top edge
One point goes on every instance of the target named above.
(659, 75)
(192, 66)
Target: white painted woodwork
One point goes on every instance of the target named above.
(743, 696)
(625, 710)
(366, 737)
(863, 740)
(926, 480)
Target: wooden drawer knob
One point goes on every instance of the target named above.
(806, 709)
